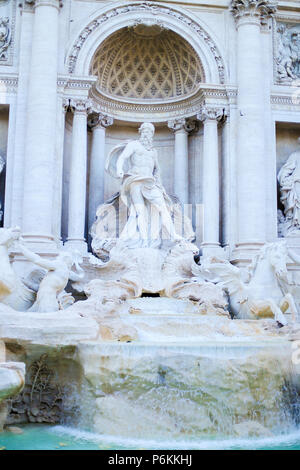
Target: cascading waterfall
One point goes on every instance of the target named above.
(176, 392)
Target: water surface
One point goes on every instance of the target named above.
(44, 437)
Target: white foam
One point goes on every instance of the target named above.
(282, 440)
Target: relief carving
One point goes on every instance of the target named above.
(5, 37)
(288, 53)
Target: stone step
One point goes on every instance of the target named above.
(162, 306)
(191, 327)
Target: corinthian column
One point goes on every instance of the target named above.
(181, 175)
(78, 174)
(211, 184)
(98, 123)
(251, 176)
(41, 124)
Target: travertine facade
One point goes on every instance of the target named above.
(219, 79)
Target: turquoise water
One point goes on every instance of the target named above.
(43, 437)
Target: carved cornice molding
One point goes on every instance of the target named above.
(218, 96)
(101, 120)
(9, 84)
(289, 100)
(254, 10)
(34, 3)
(209, 113)
(155, 9)
(75, 85)
(293, 18)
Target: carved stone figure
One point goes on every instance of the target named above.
(180, 283)
(5, 37)
(59, 271)
(288, 57)
(142, 190)
(14, 292)
(268, 292)
(142, 203)
(289, 180)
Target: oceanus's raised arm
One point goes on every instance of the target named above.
(127, 152)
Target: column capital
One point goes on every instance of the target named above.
(65, 104)
(99, 120)
(255, 11)
(35, 3)
(182, 125)
(80, 105)
(208, 113)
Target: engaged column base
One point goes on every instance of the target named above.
(244, 252)
(41, 243)
(212, 249)
(73, 244)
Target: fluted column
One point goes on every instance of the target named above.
(16, 188)
(41, 124)
(181, 169)
(78, 177)
(98, 123)
(251, 177)
(210, 117)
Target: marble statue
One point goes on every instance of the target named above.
(59, 271)
(266, 295)
(7, 274)
(289, 181)
(142, 192)
(16, 293)
(180, 282)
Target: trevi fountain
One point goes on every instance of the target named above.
(150, 224)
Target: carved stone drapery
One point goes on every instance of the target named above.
(288, 178)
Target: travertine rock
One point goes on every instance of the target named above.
(12, 380)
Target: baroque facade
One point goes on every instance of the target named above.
(219, 79)
(150, 194)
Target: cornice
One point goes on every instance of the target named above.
(9, 83)
(211, 95)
